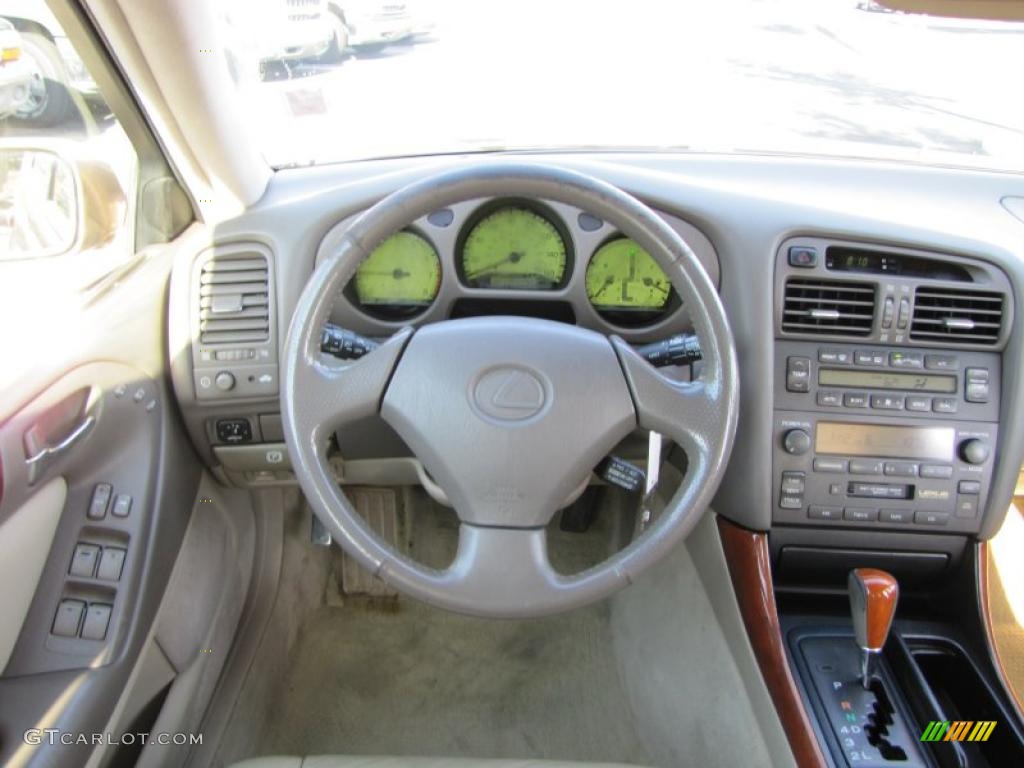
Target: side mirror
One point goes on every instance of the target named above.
(52, 202)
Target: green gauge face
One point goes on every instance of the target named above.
(402, 273)
(623, 276)
(514, 248)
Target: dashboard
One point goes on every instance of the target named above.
(879, 337)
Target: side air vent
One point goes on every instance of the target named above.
(234, 300)
(968, 317)
(828, 307)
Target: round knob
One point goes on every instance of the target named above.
(224, 381)
(974, 451)
(796, 442)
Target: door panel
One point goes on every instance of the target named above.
(108, 366)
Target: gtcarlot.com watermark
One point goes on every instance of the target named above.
(36, 736)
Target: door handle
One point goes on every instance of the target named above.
(41, 461)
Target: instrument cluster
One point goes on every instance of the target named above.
(516, 256)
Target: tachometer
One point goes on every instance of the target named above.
(400, 278)
(514, 248)
(623, 277)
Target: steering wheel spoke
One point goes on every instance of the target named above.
(336, 395)
(690, 412)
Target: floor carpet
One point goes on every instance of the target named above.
(373, 677)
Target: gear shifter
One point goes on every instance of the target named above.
(873, 596)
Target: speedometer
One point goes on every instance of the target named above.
(514, 248)
(400, 278)
(623, 277)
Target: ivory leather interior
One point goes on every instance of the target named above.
(25, 539)
(342, 761)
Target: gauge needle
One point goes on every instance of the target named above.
(512, 257)
(395, 273)
(608, 283)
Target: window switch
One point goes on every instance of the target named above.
(96, 620)
(83, 562)
(69, 616)
(100, 500)
(122, 505)
(111, 564)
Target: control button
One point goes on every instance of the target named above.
(944, 404)
(791, 502)
(835, 489)
(792, 483)
(887, 402)
(888, 311)
(111, 563)
(834, 356)
(941, 362)
(803, 256)
(69, 616)
(976, 389)
(96, 620)
(936, 471)
(855, 400)
(825, 513)
(869, 357)
(901, 468)
(895, 516)
(122, 505)
(974, 451)
(829, 465)
(798, 374)
(906, 359)
(224, 381)
(970, 487)
(931, 518)
(933, 494)
(976, 392)
(865, 467)
(918, 403)
(878, 491)
(234, 431)
(83, 561)
(860, 515)
(967, 506)
(100, 499)
(904, 317)
(830, 399)
(796, 442)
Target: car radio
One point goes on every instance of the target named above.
(883, 437)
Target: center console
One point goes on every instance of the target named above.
(887, 376)
(887, 382)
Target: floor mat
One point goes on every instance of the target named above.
(405, 679)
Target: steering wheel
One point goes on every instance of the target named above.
(509, 415)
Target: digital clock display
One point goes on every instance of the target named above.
(933, 443)
(911, 382)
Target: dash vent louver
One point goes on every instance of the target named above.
(834, 307)
(954, 315)
(234, 300)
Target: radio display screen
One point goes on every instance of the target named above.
(934, 443)
(916, 382)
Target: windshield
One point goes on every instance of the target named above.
(353, 79)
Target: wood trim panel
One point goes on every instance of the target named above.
(747, 555)
(983, 564)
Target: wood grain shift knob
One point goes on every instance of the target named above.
(873, 596)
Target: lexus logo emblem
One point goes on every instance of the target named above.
(509, 393)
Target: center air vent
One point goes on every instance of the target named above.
(234, 300)
(830, 307)
(968, 317)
